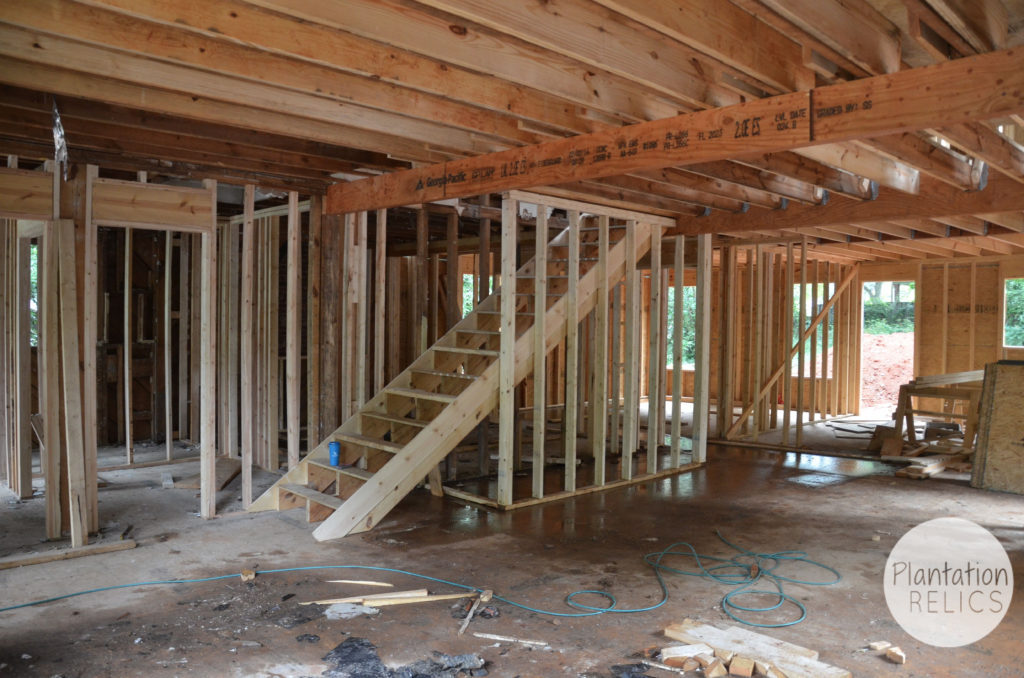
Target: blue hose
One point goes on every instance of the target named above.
(743, 570)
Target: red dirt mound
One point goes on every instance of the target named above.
(887, 361)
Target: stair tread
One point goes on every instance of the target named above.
(439, 373)
(419, 393)
(396, 420)
(367, 441)
(462, 349)
(347, 469)
(309, 493)
(476, 331)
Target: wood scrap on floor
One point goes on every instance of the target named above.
(66, 554)
(227, 469)
(753, 651)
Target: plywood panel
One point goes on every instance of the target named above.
(999, 460)
(931, 297)
(987, 322)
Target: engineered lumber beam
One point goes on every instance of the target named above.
(25, 194)
(988, 145)
(935, 200)
(982, 23)
(156, 207)
(973, 88)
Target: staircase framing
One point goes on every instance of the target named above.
(400, 435)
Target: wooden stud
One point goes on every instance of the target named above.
(208, 375)
(21, 447)
(787, 375)
(231, 340)
(49, 367)
(506, 358)
(247, 341)
(570, 421)
(540, 418)
(379, 300)
(452, 274)
(631, 318)
(314, 369)
(801, 354)
(701, 397)
(184, 320)
(195, 327)
(483, 284)
(293, 313)
(168, 379)
(616, 365)
(273, 352)
(730, 354)
(421, 287)
(361, 308)
(127, 348)
(759, 340)
(655, 410)
(678, 271)
(599, 393)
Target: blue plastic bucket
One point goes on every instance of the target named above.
(335, 452)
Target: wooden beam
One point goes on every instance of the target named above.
(935, 200)
(988, 145)
(293, 314)
(885, 104)
(982, 23)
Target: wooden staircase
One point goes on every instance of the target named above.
(399, 436)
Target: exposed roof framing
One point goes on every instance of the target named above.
(298, 93)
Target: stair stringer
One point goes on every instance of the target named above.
(406, 470)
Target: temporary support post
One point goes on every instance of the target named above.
(293, 313)
(540, 286)
(701, 397)
(506, 353)
(655, 410)
(572, 348)
(678, 271)
(247, 338)
(208, 360)
(599, 393)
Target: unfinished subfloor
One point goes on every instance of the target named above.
(831, 508)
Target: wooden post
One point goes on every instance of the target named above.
(421, 287)
(599, 393)
(231, 341)
(90, 319)
(315, 287)
(293, 314)
(49, 365)
(208, 358)
(77, 501)
(803, 345)
(506, 357)
(787, 374)
(20, 448)
(572, 347)
(273, 345)
(195, 353)
(347, 330)
(127, 348)
(655, 410)
(631, 320)
(616, 364)
(813, 404)
(730, 355)
(757, 347)
(184, 334)
(701, 399)
(678, 271)
(379, 300)
(247, 340)
(540, 286)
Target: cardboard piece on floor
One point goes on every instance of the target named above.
(227, 469)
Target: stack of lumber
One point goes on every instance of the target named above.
(739, 652)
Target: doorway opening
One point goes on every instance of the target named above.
(887, 344)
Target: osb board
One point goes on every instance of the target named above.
(999, 459)
(129, 203)
(987, 321)
(25, 194)
(930, 360)
(958, 309)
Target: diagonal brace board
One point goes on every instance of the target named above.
(973, 88)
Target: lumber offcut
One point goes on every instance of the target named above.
(66, 554)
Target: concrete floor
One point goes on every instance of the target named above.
(831, 508)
